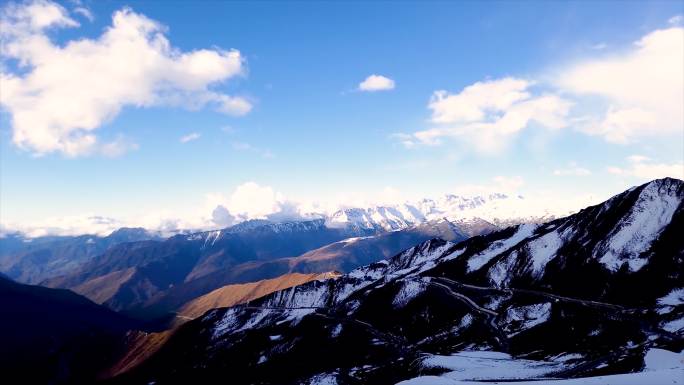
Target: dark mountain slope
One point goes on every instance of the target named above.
(55, 336)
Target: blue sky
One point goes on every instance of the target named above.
(302, 127)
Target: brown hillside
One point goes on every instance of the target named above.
(230, 295)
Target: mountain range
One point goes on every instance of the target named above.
(594, 294)
(157, 277)
(365, 296)
(33, 260)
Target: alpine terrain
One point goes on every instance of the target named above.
(596, 294)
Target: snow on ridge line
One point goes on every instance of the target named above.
(635, 232)
(304, 299)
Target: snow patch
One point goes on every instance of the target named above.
(409, 290)
(526, 317)
(500, 273)
(336, 331)
(542, 250)
(674, 298)
(324, 379)
(480, 259)
(662, 367)
(487, 365)
(674, 326)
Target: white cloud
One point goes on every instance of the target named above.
(644, 168)
(60, 94)
(222, 217)
(676, 20)
(643, 88)
(489, 114)
(474, 102)
(376, 83)
(34, 17)
(253, 201)
(69, 225)
(190, 137)
(621, 97)
(572, 170)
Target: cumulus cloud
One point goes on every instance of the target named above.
(376, 83)
(644, 168)
(58, 95)
(251, 200)
(254, 201)
(622, 97)
(488, 114)
(222, 217)
(572, 170)
(190, 137)
(643, 88)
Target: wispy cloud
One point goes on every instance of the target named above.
(243, 146)
(645, 168)
(572, 170)
(85, 12)
(118, 147)
(190, 137)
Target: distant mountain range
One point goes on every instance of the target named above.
(596, 293)
(48, 259)
(156, 277)
(33, 260)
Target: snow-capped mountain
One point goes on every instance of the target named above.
(496, 209)
(597, 293)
